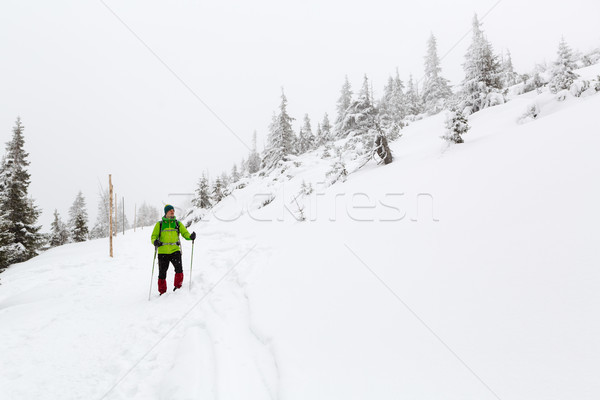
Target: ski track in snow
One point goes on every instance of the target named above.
(212, 353)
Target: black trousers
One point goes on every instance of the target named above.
(163, 264)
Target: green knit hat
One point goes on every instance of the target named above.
(168, 207)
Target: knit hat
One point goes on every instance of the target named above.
(168, 207)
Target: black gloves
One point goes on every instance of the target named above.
(157, 243)
(193, 236)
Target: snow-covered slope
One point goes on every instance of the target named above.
(456, 272)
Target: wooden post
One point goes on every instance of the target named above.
(110, 221)
(123, 212)
(134, 216)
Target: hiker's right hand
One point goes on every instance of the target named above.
(157, 243)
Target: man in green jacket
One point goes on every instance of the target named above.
(165, 237)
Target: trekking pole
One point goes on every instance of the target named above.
(152, 276)
(191, 263)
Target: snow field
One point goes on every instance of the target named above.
(477, 279)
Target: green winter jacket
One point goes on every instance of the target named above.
(169, 235)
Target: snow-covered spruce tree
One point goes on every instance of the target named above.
(100, 228)
(281, 136)
(392, 107)
(326, 133)
(319, 139)
(386, 112)
(337, 171)
(532, 83)
(302, 144)
(122, 220)
(59, 233)
(146, 216)
(344, 101)
(244, 167)
(235, 175)
(360, 115)
(253, 158)
(413, 103)
(456, 126)
(78, 219)
(217, 191)
(328, 150)
(397, 104)
(435, 88)
(154, 214)
(203, 197)
(483, 75)
(225, 181)
(509, 76)
(591, 58)
(306, 140)
(562, 69)
(8, 247)
(19, 212)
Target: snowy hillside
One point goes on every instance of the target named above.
(456, 272)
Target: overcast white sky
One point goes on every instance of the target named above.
(95, 100)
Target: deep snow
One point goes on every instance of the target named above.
(456, 272)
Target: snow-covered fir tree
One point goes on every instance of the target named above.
(78, 219)
(532, 81)
(319, 138)
(253, 158)
(306, 140)
(244, 167)
(344, 101)
(591, 58)
(562, 69)
(398, 103)
(509, 76)
(457, 125)
(235, 175)
(384, 106)
(391, 106)
(225, 181)
(8, 247)
(483, 74)
(326, 132)
(338, 171)
(435, 88)
(147, 215)
(281, 136)
(303, 142)
(59, 233)
(218, 191)
(361, 114)
(100, 228)
(21, 235)
(413, 103)
(203, 196)
(122, 221)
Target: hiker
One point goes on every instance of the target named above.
(165, 237)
